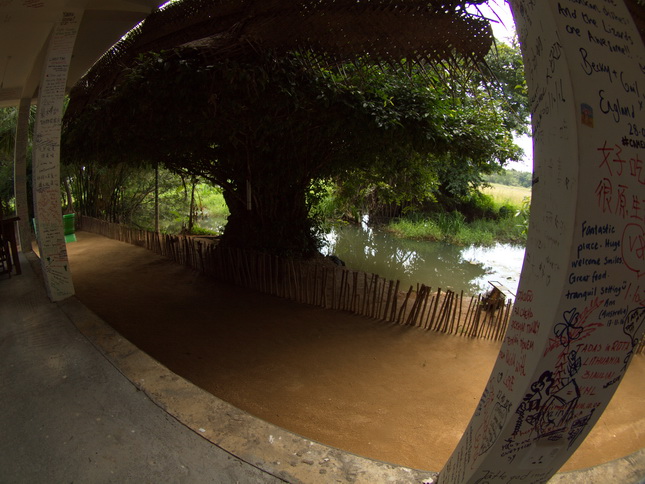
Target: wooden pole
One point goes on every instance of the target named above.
(434, 311)
(375, 279)
(428, 322)
(387, 301)
(403, 306)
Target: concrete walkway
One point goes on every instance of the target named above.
(68, 415)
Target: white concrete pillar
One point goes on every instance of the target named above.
(46, 157)
(20, 174)
(580, 309)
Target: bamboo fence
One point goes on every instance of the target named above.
(326, 286)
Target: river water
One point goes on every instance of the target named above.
(434, 264)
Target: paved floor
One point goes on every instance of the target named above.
(68, 415)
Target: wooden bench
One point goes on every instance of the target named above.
(8, 246)
(496, 297)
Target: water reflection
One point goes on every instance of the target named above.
(432, 263)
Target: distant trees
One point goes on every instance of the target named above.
(511, 177)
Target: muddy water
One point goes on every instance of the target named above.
(434, 264)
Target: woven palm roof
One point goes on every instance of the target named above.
(423, 31)
(637, 10)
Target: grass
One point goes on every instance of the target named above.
(459, 232)
(509, 226)
(505, 194)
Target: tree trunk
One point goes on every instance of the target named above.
(157, 197)
(191, 216)
(277, 221)
(68, 195)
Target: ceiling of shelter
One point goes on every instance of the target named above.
(637, 9)
(25, 26)
(423, 30)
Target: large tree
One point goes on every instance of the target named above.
(485, 110)
(266, 126)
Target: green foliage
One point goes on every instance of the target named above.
(210, 211)
(385, 190)
(483, 220)
(7, 136)
(450, 224)
(478, 114)
(506, 82)
(524, 214)
(7, 201)
(268, 128)
(109, 192)
(454, 229)
(196, 230)
(126, 194)
(416, 228)
(209, 215)
(8, 121)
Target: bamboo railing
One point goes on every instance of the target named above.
(326, 286)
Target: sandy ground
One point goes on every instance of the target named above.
(392, 393)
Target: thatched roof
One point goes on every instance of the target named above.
(423, 31)
(637, 10)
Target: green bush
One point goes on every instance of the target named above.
(202, 231)
(450, 224)
(453, 228)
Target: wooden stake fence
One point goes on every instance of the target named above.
(325, 286)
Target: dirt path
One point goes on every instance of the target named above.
(392, 393)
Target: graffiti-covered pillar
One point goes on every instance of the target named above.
(580, 308)
(46, 157)
(20, 174)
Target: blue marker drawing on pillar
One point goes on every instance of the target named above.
(633, 326)
(552, 410)
(568, 331)
(530, 409)
(578, 426)
(574, 327)
(547, 410)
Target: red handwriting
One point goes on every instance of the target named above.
(635, 294)
(526, 296)
(618, 346)
(633, 248)
(619, 198)
(509, 381)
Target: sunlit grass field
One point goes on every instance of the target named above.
(503, 194)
